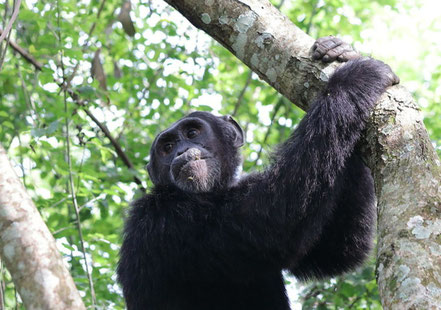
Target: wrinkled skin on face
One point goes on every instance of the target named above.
(197, 154)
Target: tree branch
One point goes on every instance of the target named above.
(11, 21)
(115, 144)
(81, 103)
(248, 81)
(265, 40)
(25, 54)
(242, 93)
(405, 165)
(107, 133)
(268, 130)
(29, 250)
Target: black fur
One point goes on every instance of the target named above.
(311, 212)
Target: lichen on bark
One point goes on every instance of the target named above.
(407, 177)
(29, 250)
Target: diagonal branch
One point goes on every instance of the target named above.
(265, 40)
(11, 21)
(248, 81)
(81, 103)
(115, 144)
(121, 154)
(242, 93)
(268, 130)
(25, 54)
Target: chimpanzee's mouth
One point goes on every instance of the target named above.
(189, 169)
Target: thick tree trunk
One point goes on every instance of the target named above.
(29, 250)
(407, 178)
(406, 167)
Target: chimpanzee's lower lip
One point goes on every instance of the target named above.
(181, 166)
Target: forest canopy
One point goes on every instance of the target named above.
(129, 70)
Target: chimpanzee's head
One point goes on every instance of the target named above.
(198, 153)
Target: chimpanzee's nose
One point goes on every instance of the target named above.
(182, 151)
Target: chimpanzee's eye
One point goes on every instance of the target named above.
(192, 133)
(167, 148)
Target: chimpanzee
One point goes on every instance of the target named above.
(206, 238)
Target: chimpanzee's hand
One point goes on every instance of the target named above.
(331, 48)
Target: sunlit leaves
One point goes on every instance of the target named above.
(153, 78)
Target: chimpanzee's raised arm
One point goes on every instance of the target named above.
(316, 168)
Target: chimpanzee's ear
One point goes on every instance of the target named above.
(238, 134)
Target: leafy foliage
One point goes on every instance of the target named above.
(357, 290)
(163, 72)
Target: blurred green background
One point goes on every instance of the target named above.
(150, 73)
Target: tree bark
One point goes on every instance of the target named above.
(405, 165)
(29, 250)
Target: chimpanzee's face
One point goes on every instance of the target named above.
(194, 153)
